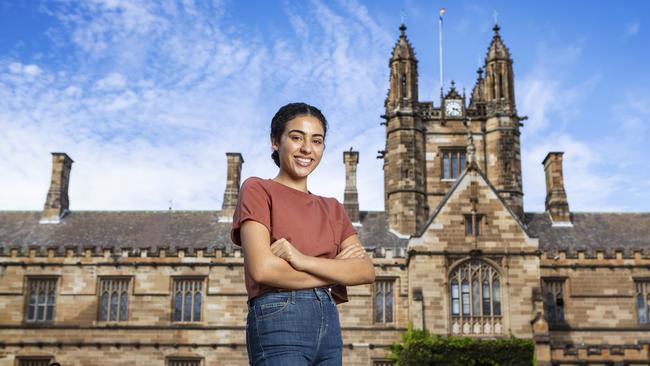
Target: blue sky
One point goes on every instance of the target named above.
(147, 97)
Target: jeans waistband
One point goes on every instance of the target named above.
(312, 293)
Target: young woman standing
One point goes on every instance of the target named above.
(300, 251)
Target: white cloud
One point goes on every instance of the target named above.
(632, 28)
(155, 95)
(114, 80)
(587, 187)
(29, 70)
(600, 172)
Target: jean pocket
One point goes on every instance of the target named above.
(267, 310)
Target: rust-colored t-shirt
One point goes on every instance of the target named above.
(315, 225)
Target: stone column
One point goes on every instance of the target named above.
(57, 203)
(351, 196)
(557, 204)
(235, 161)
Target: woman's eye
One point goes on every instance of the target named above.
(296, 138)
(317, 142)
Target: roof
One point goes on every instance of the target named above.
(592, 230)
(149, 229)
(201, 229)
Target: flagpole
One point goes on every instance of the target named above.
(442, 11)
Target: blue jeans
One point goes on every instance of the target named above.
(294, 328)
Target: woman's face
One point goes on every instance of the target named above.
(301, 146)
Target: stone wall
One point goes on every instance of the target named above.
(149, 336)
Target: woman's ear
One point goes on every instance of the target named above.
(274, 144)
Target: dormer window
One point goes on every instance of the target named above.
(453, 163)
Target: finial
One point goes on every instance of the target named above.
(453, 84)
(402, 22)
(471, 149)
(480, 72)
(496, 17)
(402, 29)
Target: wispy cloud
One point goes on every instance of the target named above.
(632, 28)
(596, 178)
(156, 93)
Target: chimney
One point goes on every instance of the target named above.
(57, 203)
(350, 196)
(235, 160)
(557, 204)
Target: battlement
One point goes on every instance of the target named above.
(596, 254)
(133, 254)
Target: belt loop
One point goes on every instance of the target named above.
(293, 296)
(328, 290)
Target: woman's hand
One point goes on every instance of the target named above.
(355, 250)
(284, 249)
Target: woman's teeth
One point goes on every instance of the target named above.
(303, 162)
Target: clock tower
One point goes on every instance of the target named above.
(426, 145)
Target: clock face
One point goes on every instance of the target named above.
(453, 108)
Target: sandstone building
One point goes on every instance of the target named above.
(454, 251)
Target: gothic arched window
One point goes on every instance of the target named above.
(475, 294)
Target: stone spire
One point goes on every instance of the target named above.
(497, 49)
(403, 49)
(351, 195)
(476, 99)
(403, 90)
(499, 77)
(57, 204)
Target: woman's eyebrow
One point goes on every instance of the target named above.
(303, 133)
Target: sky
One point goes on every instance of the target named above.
(147, 97)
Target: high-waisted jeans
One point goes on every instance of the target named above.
(294, 328)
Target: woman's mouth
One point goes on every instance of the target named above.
(304, 162)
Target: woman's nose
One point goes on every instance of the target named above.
(306, 146)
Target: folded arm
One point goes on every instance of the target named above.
(268, 269)
(355, 269)
(281, 265)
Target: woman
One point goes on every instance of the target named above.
(300, 250)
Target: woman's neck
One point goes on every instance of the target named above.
(299, 184)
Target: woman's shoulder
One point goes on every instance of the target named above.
(255, 186)
(335, 207)
(254, 182)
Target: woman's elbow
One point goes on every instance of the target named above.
(365, 277)
(261, 274)
(370, 276)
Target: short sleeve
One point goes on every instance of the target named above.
(254, 203)
(347, 229)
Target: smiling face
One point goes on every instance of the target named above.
(300, 147)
